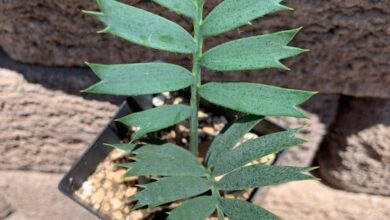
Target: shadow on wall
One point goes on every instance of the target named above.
(67, 79)
(355, 155)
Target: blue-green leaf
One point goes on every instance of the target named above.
(139, 79)
(229, 136)
(231, 14)
(143, 28)
(195, 209)
(170, 189)
(262, 175)
(184, 7)
(240, 210)
(164, 160)
(156, 119)
(259, 52)
(254, 149)
(257, 99)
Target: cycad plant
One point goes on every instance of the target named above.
(179, 174)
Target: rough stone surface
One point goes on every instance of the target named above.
(355, 155)
(70, 80)
(35, 197)
(309, 200)
(58, 33)
(5, 207)
(42, 129)
(322, 111)
(349, 41)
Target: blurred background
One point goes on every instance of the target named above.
(45, 123)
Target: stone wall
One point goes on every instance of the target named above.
(355, 155)
(349, 41)
(45, 130)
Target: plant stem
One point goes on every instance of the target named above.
(196, 71)
(215, 193)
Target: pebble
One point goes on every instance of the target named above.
(122, 187)
(131, 191)
(178, 100)
(98, 197)
(168, 135)
(95, 182)
(117, 215)
(135, 128)
(105, 207)
(83, 197)
(269, 159)
(216, 218)
(167, 95)
(246, 194)
(229, 196)
(130, 179)
(110, 176)
(209, 130)
(118, 176)
(202, 114)
(158, 100)
(96, 207)
(120, 195)
(137, 214)
(107, 185)
(182, 128)
(117, 204)
(172, 134)
(110, 194)
(117, 154)
(87, 188)
(247, 136)
(99, 176)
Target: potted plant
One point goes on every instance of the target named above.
(176, 172)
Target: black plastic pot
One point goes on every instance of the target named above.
(114, 132)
